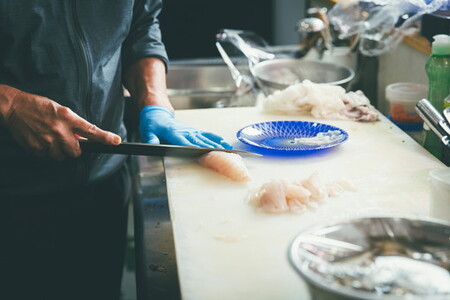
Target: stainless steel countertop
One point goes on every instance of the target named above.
(156, 267)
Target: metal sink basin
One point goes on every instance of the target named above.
(193, 84)
(207, 83)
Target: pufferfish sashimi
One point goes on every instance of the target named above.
(230, 165)
(280, 196)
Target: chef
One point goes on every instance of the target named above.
(63, 65)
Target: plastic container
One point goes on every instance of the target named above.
(402, 98)
(438, 72)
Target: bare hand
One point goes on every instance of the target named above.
(48, 129)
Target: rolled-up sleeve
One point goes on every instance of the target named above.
(144, 38)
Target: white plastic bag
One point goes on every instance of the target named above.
(380, 24)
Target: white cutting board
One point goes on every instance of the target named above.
(227, 250)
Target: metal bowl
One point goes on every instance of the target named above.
(278, 74)
(375, 258)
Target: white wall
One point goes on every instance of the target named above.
(403, 64)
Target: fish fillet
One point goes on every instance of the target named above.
(315, 186)
(273, 197)
(280, 196)
(230, 165)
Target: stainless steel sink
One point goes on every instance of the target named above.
(207, 83)
(203, 84)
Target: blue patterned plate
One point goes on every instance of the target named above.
(292, 136)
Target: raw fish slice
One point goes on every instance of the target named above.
(336, 188)
(297, 197)
(272, 198)
(230, 165)
(358, 107)
(347, 185)
(315, 186)
(279, 196)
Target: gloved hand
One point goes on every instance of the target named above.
(159, 124)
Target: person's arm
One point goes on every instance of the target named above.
(145, 61)
(44, 127)
(146, 82)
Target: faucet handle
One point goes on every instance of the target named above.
(309, 31)
(309, 25)
(321, 14)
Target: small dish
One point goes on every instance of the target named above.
(292, 136)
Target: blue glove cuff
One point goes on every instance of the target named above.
(153, 108)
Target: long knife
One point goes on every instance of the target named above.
(154, 150)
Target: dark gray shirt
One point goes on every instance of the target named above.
(73, 52)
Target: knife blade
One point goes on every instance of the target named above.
(154, 149)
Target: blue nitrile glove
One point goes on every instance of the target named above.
(159, 124)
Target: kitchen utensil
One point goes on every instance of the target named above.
(244, 83)
(434, 120)
(307, 26)
(278, 74)
(309, 30)
(154, 150)
(292, 136)
(321, 13)
(379, 257)
(250, 44)
(272, 73)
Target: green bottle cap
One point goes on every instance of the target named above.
(441, 44)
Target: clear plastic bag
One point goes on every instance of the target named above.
(380, 24)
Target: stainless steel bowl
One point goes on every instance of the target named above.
(375, 258)
(278, 74)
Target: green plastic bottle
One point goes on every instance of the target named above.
(438, 72)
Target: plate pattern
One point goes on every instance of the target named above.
(281, 135)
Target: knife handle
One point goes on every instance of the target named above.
(95, 147)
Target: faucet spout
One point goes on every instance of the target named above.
(315, 32)
(309, 31)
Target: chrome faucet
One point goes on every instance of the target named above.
(314, 32)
